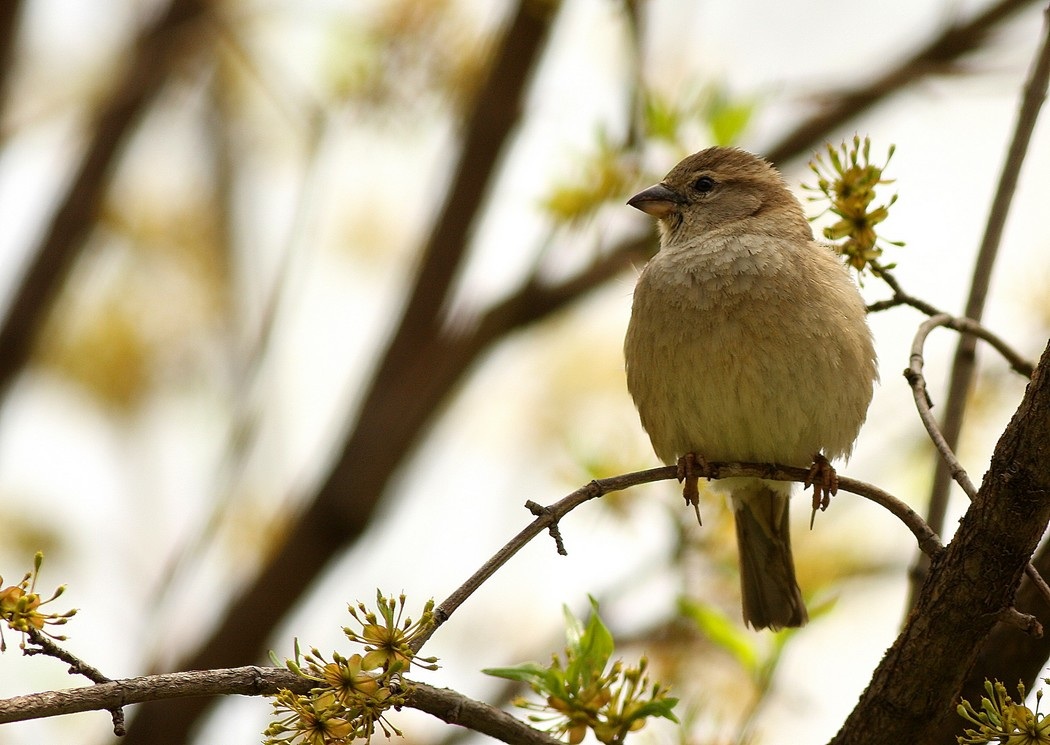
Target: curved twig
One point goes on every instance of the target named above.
(922, 399)
(924, 404)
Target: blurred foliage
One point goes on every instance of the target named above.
(140, 304)
(611, 171)
(605, 175)
(674, 119)
(406, 53)
(104, 350)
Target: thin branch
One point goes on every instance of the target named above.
(455, 708)
(247, 681)
(550, 515)
(445, 704)
(964, 362)
(922, 398)
(924, 405)
(77, 666)
(1019, 364)
(900, 297)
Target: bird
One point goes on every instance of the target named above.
(748, 341)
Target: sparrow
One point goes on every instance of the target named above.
(748, 341)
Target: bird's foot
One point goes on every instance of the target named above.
(690, 468)
(825, 483)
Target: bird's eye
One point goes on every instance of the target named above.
(704, 184)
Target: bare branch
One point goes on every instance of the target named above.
(922, 402)
(550, 515)
(900, 297)
(77, 666)
(456, 708)
(445, 704)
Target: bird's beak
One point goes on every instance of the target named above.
(658, 201)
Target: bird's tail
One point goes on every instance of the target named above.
(771, 596)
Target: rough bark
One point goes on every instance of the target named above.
(917, 684)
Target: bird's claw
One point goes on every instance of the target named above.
(690, 468)
(825, 482)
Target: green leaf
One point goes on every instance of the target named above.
(597, 641)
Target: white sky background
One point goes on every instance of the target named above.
(66, 464)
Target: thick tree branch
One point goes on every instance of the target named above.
(1008, 655)
(968, 588)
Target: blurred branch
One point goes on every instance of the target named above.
(10, 22)
(159, 46)
(415, 374)
(964, 363)
(938, 56)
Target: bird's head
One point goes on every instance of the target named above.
(716, 187)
